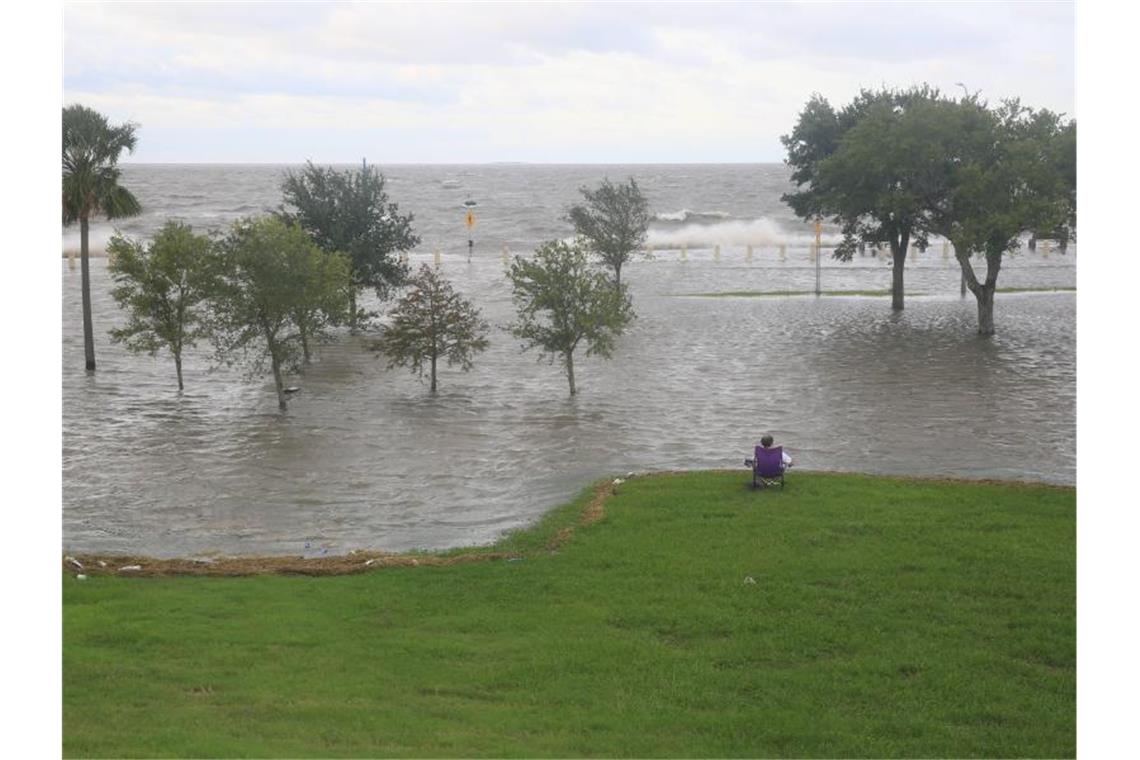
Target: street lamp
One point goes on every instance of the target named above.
(818, 230)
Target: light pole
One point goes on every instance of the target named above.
(818, 230)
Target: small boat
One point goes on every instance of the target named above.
(451, 182)
(469, 204)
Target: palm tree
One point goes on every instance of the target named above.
(91, 149)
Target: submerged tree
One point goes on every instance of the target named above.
(162, 286)
(349, 212)
(1008, 170)
(614, 220)
(564, 302)
(91, 150)
(433, 322)
(323, 296)
(269, 272)
(867, 168)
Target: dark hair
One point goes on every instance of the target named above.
(766, 441)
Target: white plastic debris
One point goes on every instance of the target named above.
(80, 577)
(101, 563)
(369, 563)
(130, 568)
(74, 563)
(749, 580)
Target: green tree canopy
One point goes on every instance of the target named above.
(91, 150)
(564, 302)
(614, 221)
(162, 286)
(348, 211)
(432, 322)
(867, 168)
(270, 273)
(1008, 170)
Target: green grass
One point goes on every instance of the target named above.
(887, 618)
(1036, 290)
(778, 293)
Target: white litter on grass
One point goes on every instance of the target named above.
(81, 577)
(74, 563)
(101, 563)
(749, 580)
(129, 568)
(368, 563)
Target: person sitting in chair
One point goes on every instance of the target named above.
(767, 442)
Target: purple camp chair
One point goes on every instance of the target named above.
(767, 467)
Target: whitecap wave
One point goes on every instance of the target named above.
(735, 232)
(687, 215)
(97, 239)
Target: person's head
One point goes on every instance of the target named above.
(766, 441)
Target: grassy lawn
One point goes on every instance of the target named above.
(779, 293)
(848, 616)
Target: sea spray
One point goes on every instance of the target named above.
(733, 233)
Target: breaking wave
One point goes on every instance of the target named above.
(734, 232)
(97, 239)
(696, 217)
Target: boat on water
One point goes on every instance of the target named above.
(450, 182)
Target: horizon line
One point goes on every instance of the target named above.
(453, 163)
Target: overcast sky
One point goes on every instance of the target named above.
(565, 82)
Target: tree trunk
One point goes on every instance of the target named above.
(617, 277)
(352, 309)
(985, 296)
(278, 381)
(570, 371)
(178, 367)
(983, 291)
(304, 343)
(898, 257)
(433, 373)
(88, 328)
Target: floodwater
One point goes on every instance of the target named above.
(367, 458)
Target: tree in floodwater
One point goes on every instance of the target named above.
(1008, 170)
(563, 302)
(270, 272)
(432, 322)
(614, 221)
(91, 149)
(867, 169)
(162, 286)
(323, 296)
(349, 212)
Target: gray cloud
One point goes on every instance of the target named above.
(674, 76)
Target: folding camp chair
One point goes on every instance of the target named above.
(767, 467)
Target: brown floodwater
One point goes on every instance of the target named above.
(367, 458)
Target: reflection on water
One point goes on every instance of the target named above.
(366, 458)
